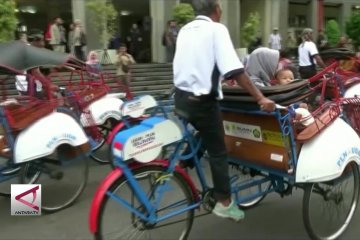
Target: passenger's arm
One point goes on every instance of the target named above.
(319, 61)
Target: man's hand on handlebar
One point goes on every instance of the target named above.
(267, 105)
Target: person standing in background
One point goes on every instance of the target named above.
(169, 39)
(134, 41)
(123, 63)
(55, 40)
(78, 40)
(290, 44)
(308, 55)
(70, 41)
(275, 39)
(47, 37)
(321, 41)
(62, 37)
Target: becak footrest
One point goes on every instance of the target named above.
(145, 141)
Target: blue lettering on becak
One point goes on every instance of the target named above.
(54, 140)
(344, 155)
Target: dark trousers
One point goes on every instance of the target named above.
(204, 114)
(79, 54)
(307, 71)
(170, 52)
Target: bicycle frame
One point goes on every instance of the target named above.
(125, 169)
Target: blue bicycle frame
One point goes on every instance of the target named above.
(277, 179)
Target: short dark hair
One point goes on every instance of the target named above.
(204, 7)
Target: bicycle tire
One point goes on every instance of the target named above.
(5, 184)
(143, 173)
(314, 230)
(55, 180)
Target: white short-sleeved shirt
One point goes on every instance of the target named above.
(204, 54)
(307, 51)
(275, 41)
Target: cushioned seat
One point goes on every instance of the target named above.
(281, 94)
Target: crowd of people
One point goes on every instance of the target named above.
(73, 40)
(264, 63)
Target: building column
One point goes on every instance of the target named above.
(231, 19)
(81, 13)
(160, 12)
(78, 11)
(276, 15)
(313, 17)
(346, 11)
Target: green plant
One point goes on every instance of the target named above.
(332, 31)
(8, 20)
(183, 13)
(104, 18)
(250, 29)
(353, 28)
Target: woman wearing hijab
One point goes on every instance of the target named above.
(308, 55)
(93, 64)
(262, 65)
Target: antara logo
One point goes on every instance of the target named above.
(25, 199)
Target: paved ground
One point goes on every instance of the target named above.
(274, 218)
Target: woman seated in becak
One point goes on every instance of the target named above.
(262, 65)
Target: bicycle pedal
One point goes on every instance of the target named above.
(208, 201)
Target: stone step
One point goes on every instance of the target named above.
(153, 79)
(142, 71)
(148, 83)
(143, 66)
(135, 79)
(150, 92)
(164, 87)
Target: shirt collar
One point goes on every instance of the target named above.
(202, 17)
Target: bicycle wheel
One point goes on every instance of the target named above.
(99, 153)
(242, 175)
(62, 178)
(117, 222)
(9, 174)
(328, 207)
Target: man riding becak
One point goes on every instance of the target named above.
(204, 54)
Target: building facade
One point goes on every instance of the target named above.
(287, 15)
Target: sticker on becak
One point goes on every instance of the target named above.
(246, 131)
(145, 141)
(136, 108)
